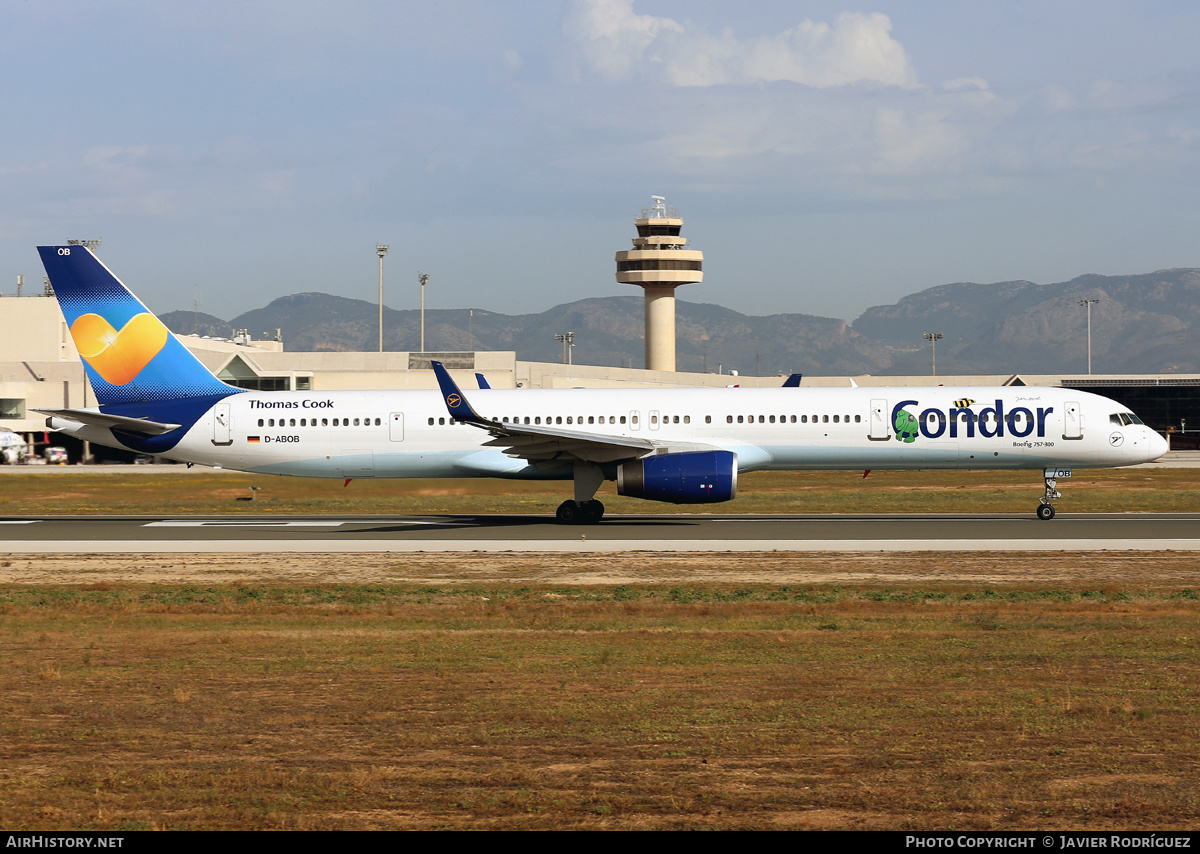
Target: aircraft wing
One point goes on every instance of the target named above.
(541, 445)
(95, 418)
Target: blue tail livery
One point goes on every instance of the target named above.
(138, 369)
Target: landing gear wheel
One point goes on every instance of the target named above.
(1046, 509)
(592, 512)
(568, 513)
(587, 513)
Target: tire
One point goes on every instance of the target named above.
(568, 513)
(1045, 511)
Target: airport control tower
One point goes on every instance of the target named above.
(659, 264)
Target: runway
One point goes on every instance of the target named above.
(657, 533)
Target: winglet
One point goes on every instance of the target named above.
(482, 380)
(456, 403)
(793, 381)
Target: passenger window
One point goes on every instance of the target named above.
(622, 419)
(324, 422)
(835, 419)
(772, 419)
(687, 419)
(728, 419)
(739, 419)
(260, 423)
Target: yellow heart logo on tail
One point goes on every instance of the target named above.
(118, 356)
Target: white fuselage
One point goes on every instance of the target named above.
(409, 433)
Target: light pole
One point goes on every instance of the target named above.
(1089, 303)
(424, 279)
(568, 342)
(932, 338)
(381, 250)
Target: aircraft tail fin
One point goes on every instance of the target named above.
(129, 355)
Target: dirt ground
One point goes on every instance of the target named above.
(893, 568)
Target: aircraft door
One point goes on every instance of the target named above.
(634, 418)
(1072, 421)
(879, 421)
(221, 425)
(396, 420)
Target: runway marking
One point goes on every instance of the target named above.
(19, 521)
(214, 524)
(270, 524)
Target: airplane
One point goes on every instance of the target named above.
(683, 446)
(12, 447)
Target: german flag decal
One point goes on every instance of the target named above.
(253, 439)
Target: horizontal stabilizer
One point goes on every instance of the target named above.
(93, 418)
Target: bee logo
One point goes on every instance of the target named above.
(963, 403)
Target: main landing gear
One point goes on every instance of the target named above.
(1046, 508)
(585, 509)
(575, 513)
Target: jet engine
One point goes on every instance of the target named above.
(691, 477)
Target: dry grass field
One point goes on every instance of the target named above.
(251, 704)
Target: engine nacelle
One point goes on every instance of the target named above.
(692, 477)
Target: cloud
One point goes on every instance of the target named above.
(854, 48)
(614, 39)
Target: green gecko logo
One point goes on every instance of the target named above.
(906, 426)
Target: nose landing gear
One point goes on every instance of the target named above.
(1046, 507)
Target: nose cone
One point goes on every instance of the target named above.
(1156, 447)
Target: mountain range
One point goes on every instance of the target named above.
(1143, 323)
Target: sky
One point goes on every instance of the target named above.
(826, 157)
